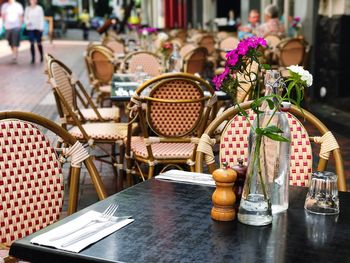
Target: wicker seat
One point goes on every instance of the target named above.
(31, 178)
(234, 145)
(176, 114)
(75, 92)
(92, 133)
(117, 46)
(149, 61)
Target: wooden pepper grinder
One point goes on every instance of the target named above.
(241, 171)
(224, 197)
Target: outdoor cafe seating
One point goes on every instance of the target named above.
(165, 134)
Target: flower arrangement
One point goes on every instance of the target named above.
(238, 63)
(147, 31)
(166, 48)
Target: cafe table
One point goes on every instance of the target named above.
(123, 87)
(173, 224)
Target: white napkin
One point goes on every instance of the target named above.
(104, 229)
(187, 177)
(217, 92)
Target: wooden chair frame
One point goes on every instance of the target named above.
(322, 164)
(187, 59)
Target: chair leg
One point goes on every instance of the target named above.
(96, 179)
(73, 190)
(150, 171)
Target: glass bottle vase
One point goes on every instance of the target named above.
(255, 206)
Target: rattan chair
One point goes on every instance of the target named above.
(101, 65)
(177, 112)
(291, 52)
(31, 179)
(195, 61)
(76, 94)
(149, 61)
(117, 46)
(187, 48)
(95, 133)
(227, 44)
(233, 144)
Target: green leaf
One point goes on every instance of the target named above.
(273, 129)
(259, 131)
(266, 66)
(276, 137)
(271, 104)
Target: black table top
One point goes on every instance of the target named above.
(173, 224)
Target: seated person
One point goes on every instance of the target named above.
(272, 25)
(249, 29)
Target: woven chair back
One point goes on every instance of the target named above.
(117, 46)
(207, 41)
(170, 119)
(222, 35)
(149, 61)
(102, 61)
(31, 181)
(61, 75)
(187, 48)
(272, 41)
(234, 145)
(195, 61)
(292, 52)
(228, 43)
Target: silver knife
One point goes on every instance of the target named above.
(94, 231)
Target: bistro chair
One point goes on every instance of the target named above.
(117, 46)
(221, 35)
(291, 52)
(92, 133)
(196, 61)
(102, 64)
(233, 144)
(227, 44)
(175, 114)
(187, 48)
(149, 61)
(75, 92)
(31, 179)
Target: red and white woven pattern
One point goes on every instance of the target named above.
(102, 131)
(31, 181)
(162, 150)
(234, 145)
(116, 46)
(228, 43)
(175, 119)
(62, 80)
(151, 64)
(187, 48)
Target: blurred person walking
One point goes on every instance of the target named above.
(85, 23)
(12, 15)
(34, 20)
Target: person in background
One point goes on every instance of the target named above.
(12, 15)
(85, 23)
(34, 20)
(249, 29)
(272, 25)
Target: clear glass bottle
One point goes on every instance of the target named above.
(175, 60)
(266, 187)
(280, 183)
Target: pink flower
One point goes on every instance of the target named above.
(242, 48)
(218, 79)
(232, 58)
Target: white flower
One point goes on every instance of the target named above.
(144, 32)
(304, 74)
(162, 36)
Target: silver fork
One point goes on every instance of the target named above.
(104, 217)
